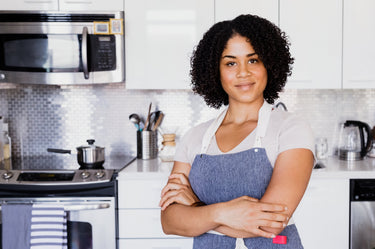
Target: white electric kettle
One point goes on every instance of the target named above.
(354, 141)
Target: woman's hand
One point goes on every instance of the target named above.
(247, 214)
(177, 190)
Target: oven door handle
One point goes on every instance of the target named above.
(84, 53)
(83, 207)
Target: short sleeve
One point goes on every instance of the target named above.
(190, 144)
(295, 133)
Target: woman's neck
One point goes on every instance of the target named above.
(240, 113)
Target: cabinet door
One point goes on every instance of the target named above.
(92, 5)
(140, 193)
(322, 218)
(315, 32)
(29, 5)
(156, 243)
(358, 42)
(159, 39)
(226, 10)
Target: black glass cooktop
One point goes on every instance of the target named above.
(61, 162)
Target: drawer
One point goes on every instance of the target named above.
(140, 193)
(156, 243)
(141, 223)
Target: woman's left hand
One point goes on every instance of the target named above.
(177, 190)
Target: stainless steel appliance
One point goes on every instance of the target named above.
(61, 47)
(89, 196)
(354, 140)
(362, 213)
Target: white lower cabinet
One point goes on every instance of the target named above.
(322, 217)
(139, 215)
(156, 243)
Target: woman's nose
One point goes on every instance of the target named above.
(243, 71)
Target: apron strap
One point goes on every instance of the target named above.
(263, 119)
(207, 137)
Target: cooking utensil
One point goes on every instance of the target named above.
(355, 140)
(158, 121)
(134, 118)
(148, 117)
(88, 156)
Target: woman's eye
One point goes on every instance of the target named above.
(231, 64)
(252, 61)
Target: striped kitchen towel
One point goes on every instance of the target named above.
(48, 227)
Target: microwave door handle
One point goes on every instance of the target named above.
(84, 53)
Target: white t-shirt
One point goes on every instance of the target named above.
(285, 131)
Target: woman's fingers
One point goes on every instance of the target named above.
(176, 196)
(262, 233)
(180, 177)
(172, 186)
(176, 181)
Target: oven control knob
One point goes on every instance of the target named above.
(85, 174)
(100, 174)
(7, 175)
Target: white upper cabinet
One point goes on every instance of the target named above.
(315, 32)
(29, 5)
(359, 44)
(160, 36)
(226, 10)
(64, 5)
(92, 5)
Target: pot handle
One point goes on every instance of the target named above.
(59, 151)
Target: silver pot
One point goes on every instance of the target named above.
(88, 156)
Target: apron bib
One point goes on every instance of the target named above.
(221, 178)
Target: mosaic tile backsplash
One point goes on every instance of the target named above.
(42, 117)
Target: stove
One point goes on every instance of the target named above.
(62, 169)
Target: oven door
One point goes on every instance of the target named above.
(90, 208)
(90, 221)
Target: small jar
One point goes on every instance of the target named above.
(7, 145)
(168, 150)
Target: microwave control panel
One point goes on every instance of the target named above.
(103, 56)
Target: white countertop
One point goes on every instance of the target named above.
(346, 169)
(152, 168)
(335, 168)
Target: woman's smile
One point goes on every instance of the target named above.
(245, 85)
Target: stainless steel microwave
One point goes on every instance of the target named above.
(62, 48)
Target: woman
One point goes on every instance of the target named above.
(243, 174)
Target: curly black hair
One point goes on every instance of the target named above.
(268, 41)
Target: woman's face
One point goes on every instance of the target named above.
(243, 75)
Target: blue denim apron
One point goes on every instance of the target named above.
(220, 178)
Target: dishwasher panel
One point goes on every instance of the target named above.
(362, 213)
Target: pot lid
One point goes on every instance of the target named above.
(90, 145)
